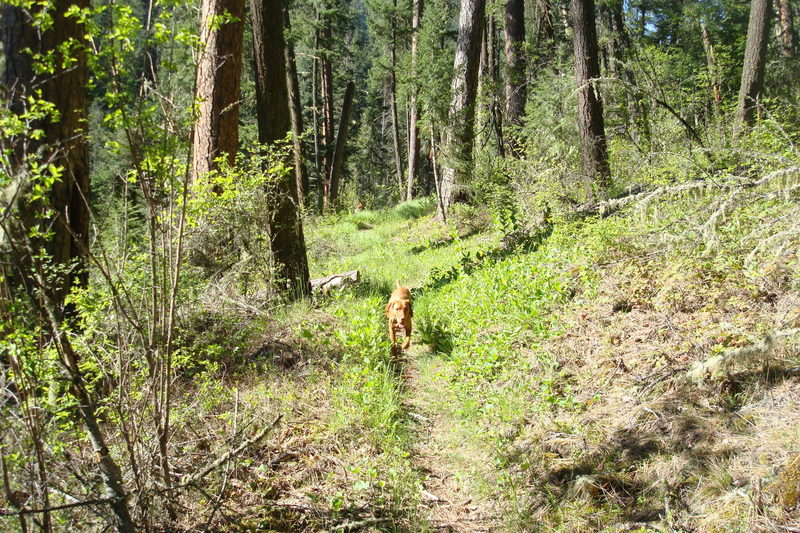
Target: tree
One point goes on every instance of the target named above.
(594, 155)
(274, 123)
(341, 141)
(413, 107)
(46, 65)
(300, 171)
(785, 29)
(755, 56)
(516, 94)
(64, 212)
(326, 89)
(460, 133)
(216, 131)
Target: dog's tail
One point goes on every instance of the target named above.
(397, 283)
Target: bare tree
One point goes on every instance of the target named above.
(755, 57)
(216, 131)
(594, 156)
(274, 123)
(460, 134)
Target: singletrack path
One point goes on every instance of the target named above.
(453, 465)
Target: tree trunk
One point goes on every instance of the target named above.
(413, 108)
(341, 142)
(755, 56)
(713, 71)
(785, 29)
(274, 122)
(594, 156)
(300, 171)
(65, 212)
(216, 131)
(460, 135)
(326, 86)
(516, 91)
(619, 53)
(398, 154)
(316, 124)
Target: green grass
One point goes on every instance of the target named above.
(526, 361)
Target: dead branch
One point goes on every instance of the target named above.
(23, 511)
(335, 281)
(358, 524)
(194, 478)
(717, 367)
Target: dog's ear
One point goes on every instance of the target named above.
(387, 308)
(410, 310)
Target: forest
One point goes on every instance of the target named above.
(206, 207)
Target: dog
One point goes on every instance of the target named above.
(399, 312)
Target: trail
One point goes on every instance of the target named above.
(451, 465)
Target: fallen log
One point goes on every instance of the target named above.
(335, 281)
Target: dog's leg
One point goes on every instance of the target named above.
(407, 340)
(392, 335)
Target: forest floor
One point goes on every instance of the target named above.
(633, 373)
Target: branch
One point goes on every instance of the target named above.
(13, 512)
(194, 478)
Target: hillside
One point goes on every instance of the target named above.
(630, 373)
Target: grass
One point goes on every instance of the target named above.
(548, 385)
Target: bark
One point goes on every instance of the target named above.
(460, 134)
(785, 29)
(516, 92)
(296, 109)
(274, 122)
(594, 156)
(755, 56)
(65, 212)
(341, 141)
(216, 131)
(413, 108)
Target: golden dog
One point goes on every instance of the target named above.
(399, 313)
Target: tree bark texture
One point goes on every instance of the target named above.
(413, 107)
(300, 170)
(755, 55)
(460, 134)
(341, 142)
(274, 122)
(785, 29)
(594, 155)
(64, 143)
(216, 131)
(516, 91)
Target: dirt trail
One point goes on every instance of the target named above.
(450, 465)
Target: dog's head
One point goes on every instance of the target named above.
(399, 313)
